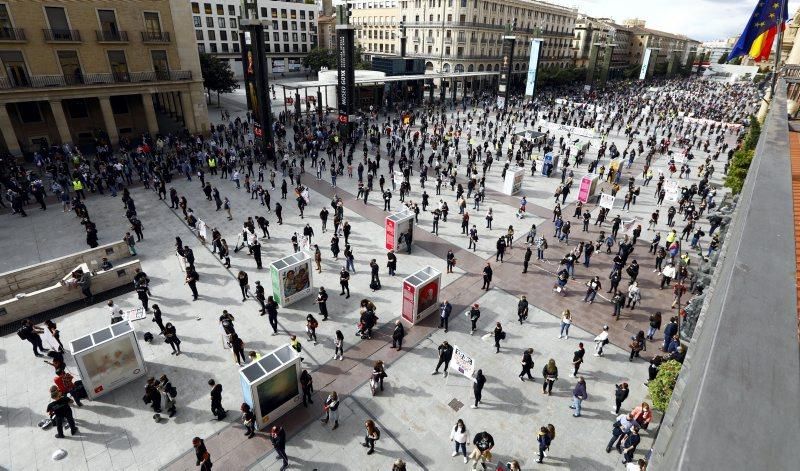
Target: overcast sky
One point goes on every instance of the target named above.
(699, 19)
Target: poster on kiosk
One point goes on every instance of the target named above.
(108, 358)
(398, 224)
(271, 384)
(421, 294)
(292, 278)
(513, 182)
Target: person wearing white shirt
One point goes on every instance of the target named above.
(459, 435)
(600, 341)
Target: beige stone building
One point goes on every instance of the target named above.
(466, 35)
(590, 31)
(664, 44)
(73, 71)
(378, 26)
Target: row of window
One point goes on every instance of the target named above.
(208, 10)
(496, 7)
(212, 35)
(13, 61)
(59, 23)
(234, 47)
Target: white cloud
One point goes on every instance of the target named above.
(698, 19)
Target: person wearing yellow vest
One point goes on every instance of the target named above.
(212, 165)
(77, 187)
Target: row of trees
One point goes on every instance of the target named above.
(320, 57)
(217, 76)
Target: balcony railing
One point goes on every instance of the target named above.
(12, 34)
(68, 35)
(155, 37)
(112, 36)
(448, 40)
(55, 81)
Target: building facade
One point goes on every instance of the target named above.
(466, 35)
(326, 25)
(291, 32)
(603, 31)
(665, 45)
(378, 26)
(73, 72)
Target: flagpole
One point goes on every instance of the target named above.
(777, 53)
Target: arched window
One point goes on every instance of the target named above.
(458, 68)
(446, 68)
(471, 68)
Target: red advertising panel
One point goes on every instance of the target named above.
(586, 187)
(408, 302)
(428, 296)
(390, 228)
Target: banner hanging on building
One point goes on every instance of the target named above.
(645, 64)
(533, 66)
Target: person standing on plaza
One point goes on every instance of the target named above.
(482, 452)
(344, 281)
(307, 386)
(397, 335)
(638, 343)
(459, 436)
(391, 264)
(566, 323)
(169, 393)
(578, 396)
(619, 430)
(311, 328)
(216, 400)
(338, 345)
(487, 276)
(600, 341)
(171, 338)
(237, 345)
(244, 284)
(670, 331)
(59, 410)
(30, 332)
(278, 438)
(260, 297)
(592, 287)
(543, 439)
(248, 420)
(477, 387)
(474, 315)
(643, 415)
(191, 279)
(655, 325)
(272, 314)
(526, 260)
(499, 335)
(451, 261)
(522, 309)
(577, 359)
(445, 308)
(629, 444)
(322, 303)
(445, 355)
(620, 395)
(549, 375)
(473, 238)
(527, 365)
(373, 435)
(331, 408)
(202, 454)
(375, 281)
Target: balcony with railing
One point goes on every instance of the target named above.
(448, 41)
(62, 35)
(112, 36)
(12, 34)
(80, 79)
(155, 37)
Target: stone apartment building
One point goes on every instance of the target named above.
(74, 71)
(591, 31)
(378, 26)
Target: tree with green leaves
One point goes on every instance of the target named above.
(217, 76)
(318, 58)
(723, 59)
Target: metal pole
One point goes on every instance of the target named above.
(777, 54)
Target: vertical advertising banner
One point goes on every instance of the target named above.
(533, 66)
(506, 67)
(346, 77)
(390, 237)
(408, 302)
(645, 63)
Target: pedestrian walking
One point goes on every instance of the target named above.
(307, 386)
(549, 375)
(248, 420)
(566, 323)
(527, 365)
(272, 314)
(59, 411)
(30, 332)
(397, 335)
(499, 335)
(487, 276)
(577, 359)
(169, 393)
(578, 396)
(445, 355)
(477, 387)
(216, 400)
(482, 453)
(445, 308)
(474, 315)
(202, 454)
(171, 338)
(543, 439)
(373, 434)
(331, 408)
(600, 341)
(522, 309)
(278, 438)
(620, 394)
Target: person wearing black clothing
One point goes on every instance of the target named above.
(527, 365)
(255, 248)
(278, 438)
(392, 263)
(527, 259)
(216, 400)
(445, 355)
(243, 284)
(322, 302)
(141, 292)
(620, 395)
(487, 276)
(249, 420)
(171, 337)
(344, 280)
(498, 336)
(152, 395)
(445, 309)
(188, 254)
(260, 296)
(307, 384)
(157, 318)
(59, 410)
(164, 385)
(474, 315)
(272, 314)
(501, 249)
(387, 199)
(451, 261)
(202, 455)
(484, 443)
(191, 280)
(30, 332)
(550, 375)
(237, 345)
(629, 444)
(477, 387)
(397, 335)
(522, 309)
(323, 216)
(577, 359)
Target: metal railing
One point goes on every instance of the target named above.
(12, 34)
(71, 35)
(448, 41)
(112, 36)
(80, 79)
(469, 24)
(155, 37)
(180, 74)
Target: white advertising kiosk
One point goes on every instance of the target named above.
(292, 278)
(271, 384)
(421, 294)
(108, 358)
(397, 224)
(513, 182)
